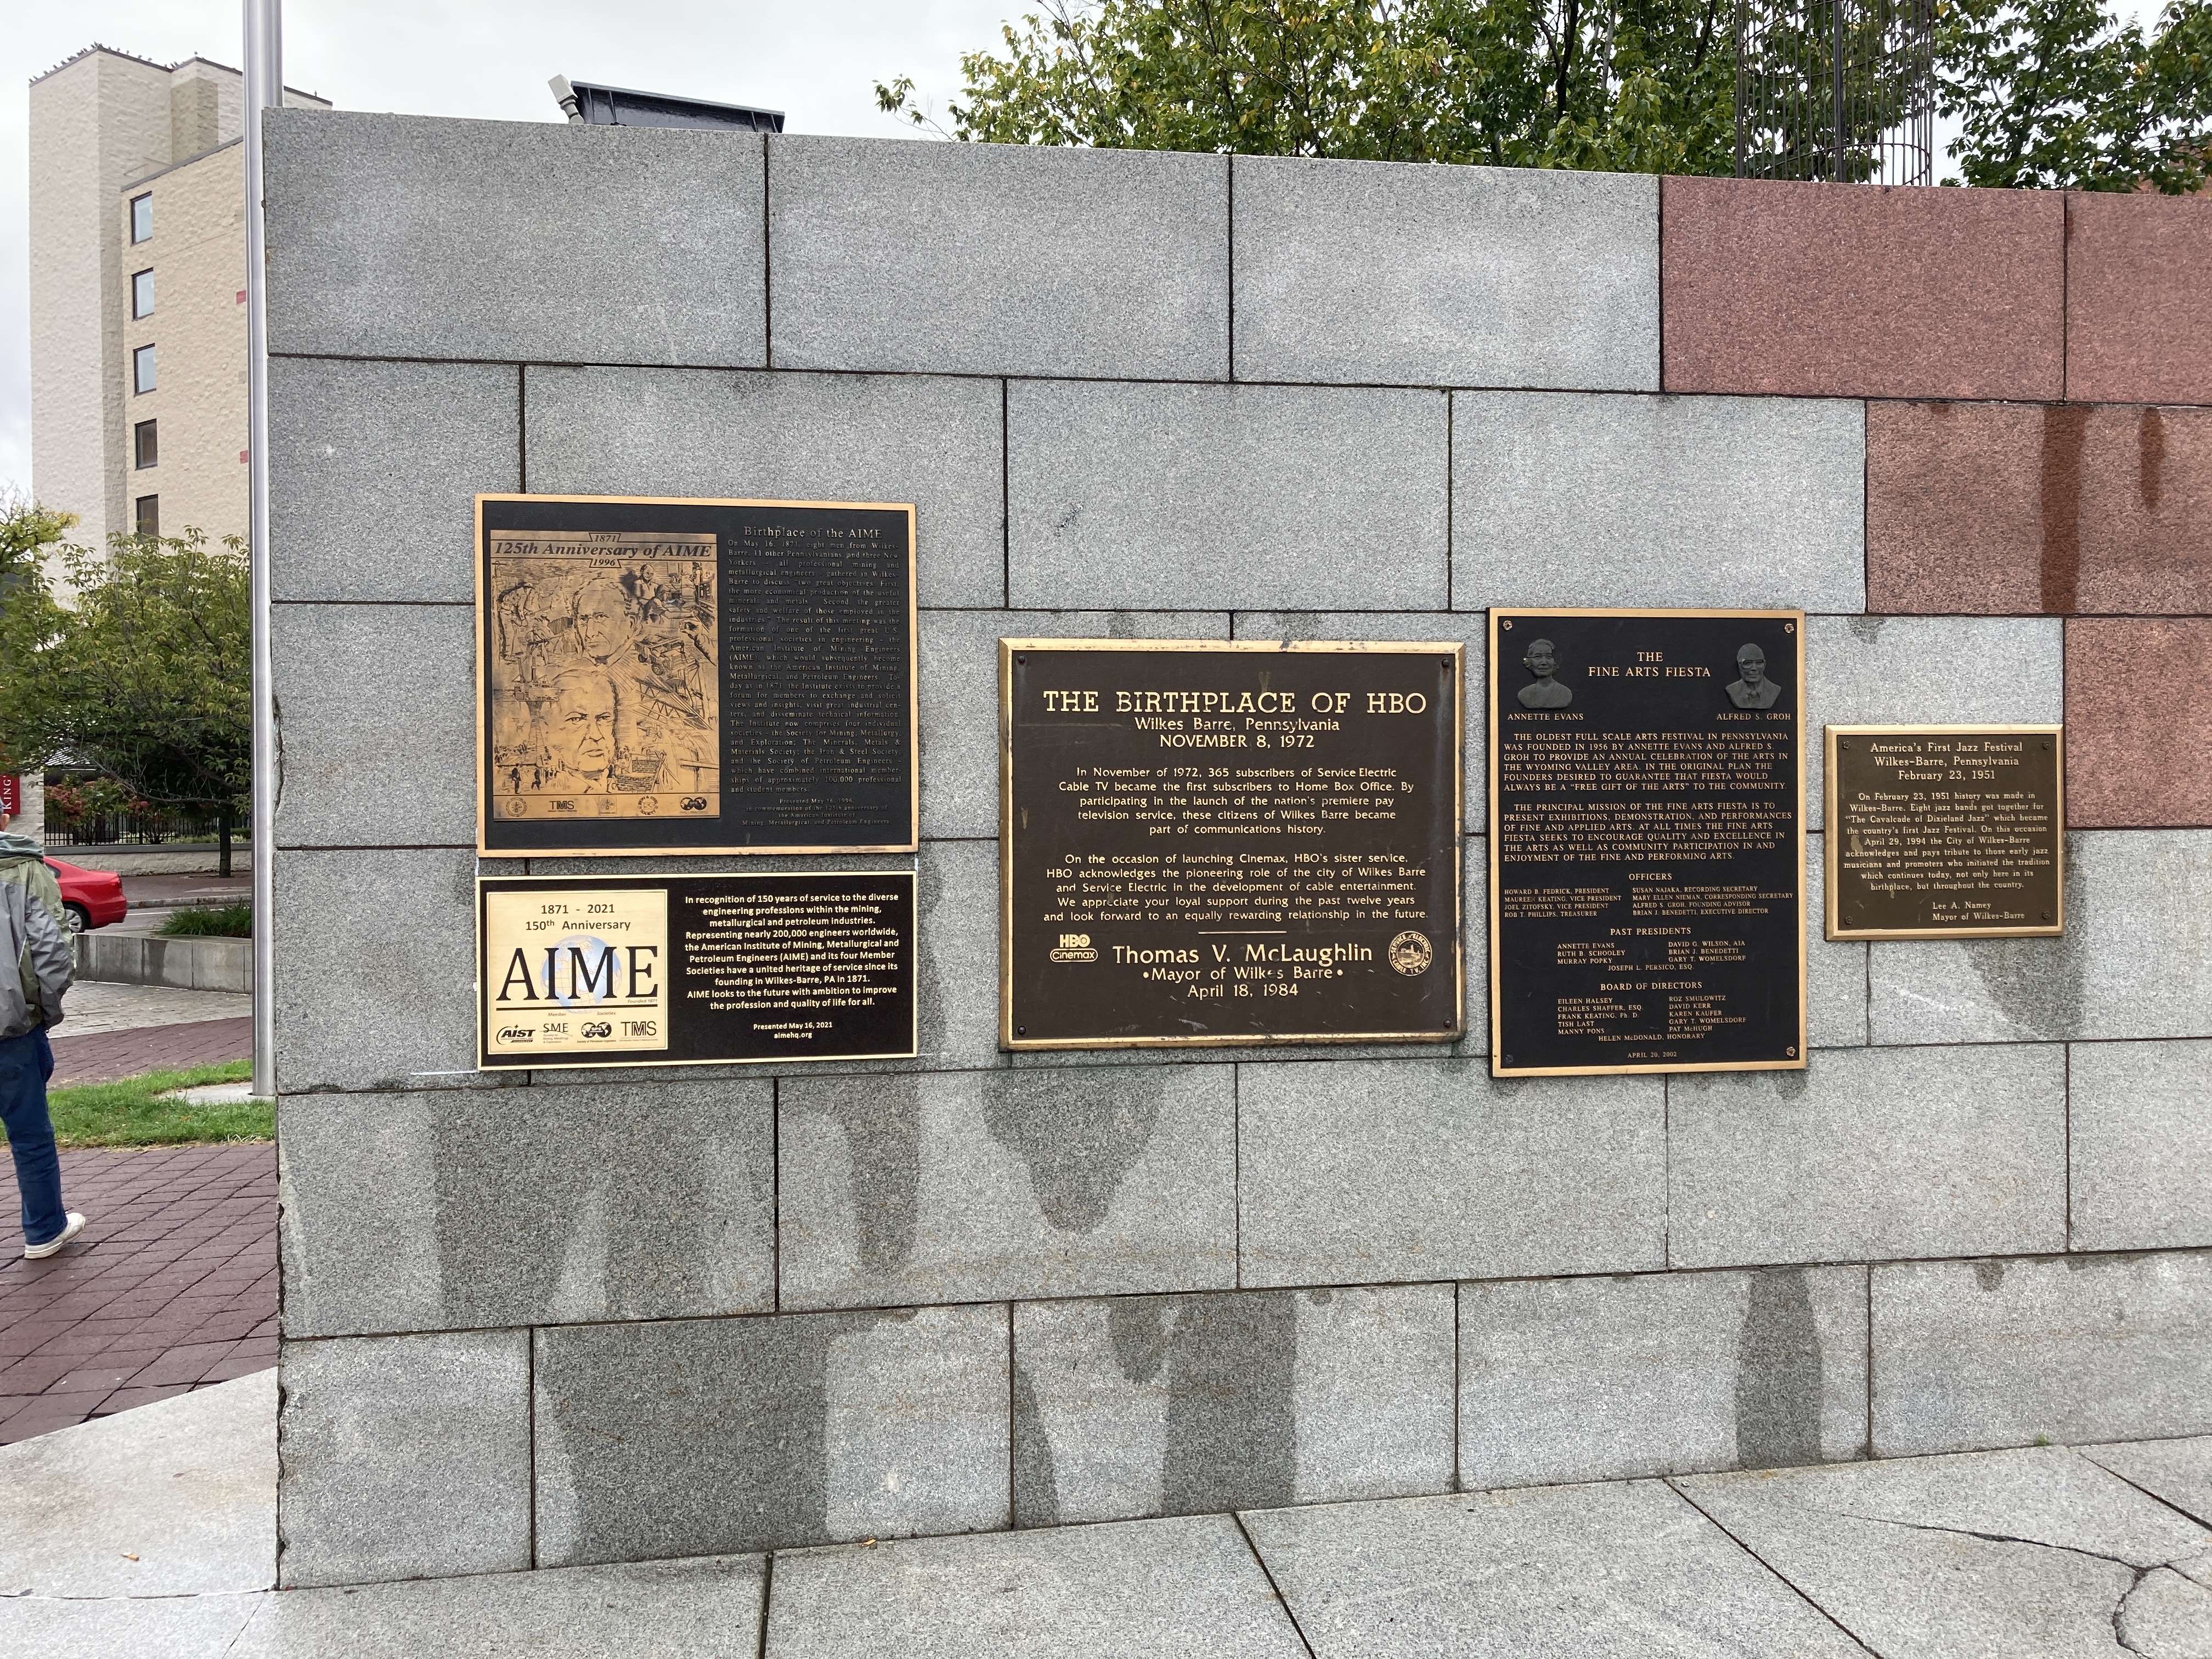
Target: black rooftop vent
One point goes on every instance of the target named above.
(588, 104)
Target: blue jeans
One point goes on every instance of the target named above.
(25, 1063)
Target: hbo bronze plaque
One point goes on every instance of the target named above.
(1647, 841)
(1946, 831)
(1209, 843)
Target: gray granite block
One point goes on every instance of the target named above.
(376, 962)
(410, 236)
(1408, 626)
(2129, 964)
(997, 259)
(933, 442)
(1383, 1170)
(2176, 1471)
(173, 1627)
(403, 1458)
(2081, 1348)
(1621, 1571)
(1870, 1152)
(1186, 1588)
(1958, 671)
(1992, 1556)
(376, 704)
(965, 1185)
(1835, 969)
(1179, 1405)
(1568, 499)
(1605, 1379)
(373, 471)
(959, 675)
(1124, 496)
(2140, 1142)
(717, 1436)
(1396, 275)
(550, 1204)
(697, 1610)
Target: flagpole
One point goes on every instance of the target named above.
(265, 87)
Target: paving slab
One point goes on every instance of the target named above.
(177, 1499)
(2179, 1472)
(707, 1608)
(175, 1627)
(1556, 1572)
(92, 1007)
(1186, 1588)
(1985, 1555)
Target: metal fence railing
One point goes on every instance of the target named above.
(1841, 91)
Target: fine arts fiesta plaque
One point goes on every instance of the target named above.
(1646, 841)
(1946, 831)
(695, 676)
(693, 971)
(1210, 842)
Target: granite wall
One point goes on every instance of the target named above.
(589, 1316)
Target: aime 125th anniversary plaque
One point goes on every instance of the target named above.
(695, 676)
(1210, 843)
(1946, 831)
(1646, 841)
(694, 970)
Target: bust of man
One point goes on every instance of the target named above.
(1752, 688)
(1544, 692)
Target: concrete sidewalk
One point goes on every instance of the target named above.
(153, 1534)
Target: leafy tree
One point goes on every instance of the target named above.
(145, 676)
(2059, 94)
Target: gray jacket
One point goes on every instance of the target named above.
(31, 996)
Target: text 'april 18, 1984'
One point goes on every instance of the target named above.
(1646, 841)
(1229, 843)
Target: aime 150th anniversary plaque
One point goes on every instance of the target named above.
(1210, 843)
(1946, 831)
(1646, 841)
(696, 676)
(694, 970)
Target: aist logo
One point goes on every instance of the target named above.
(518, 1033)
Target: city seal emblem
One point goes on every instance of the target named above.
(1410, 954)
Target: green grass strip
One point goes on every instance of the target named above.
(127, 1113)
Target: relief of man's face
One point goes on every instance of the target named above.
(1541, 661)
(583, 735)
(602, 625)
(1751, 663)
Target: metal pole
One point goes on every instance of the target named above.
(264, 86)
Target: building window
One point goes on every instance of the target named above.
(142, 369)
(142, 294)
(150, 515)
(144, 444)
(142, 216)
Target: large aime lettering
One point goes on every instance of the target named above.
(588, 978)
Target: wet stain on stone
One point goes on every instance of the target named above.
(1036, 1489)
(929, 982)
(2063, 428)
(1231, 1439)
(1777, 1376)
(1790, 1085)
(1867, 629)
(1136, 1325)
(882, 1121)
(1121, 626)
(1989, 1274)
(2150, 447)
(1078, 1137)
(2037, 983)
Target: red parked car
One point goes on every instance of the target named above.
(92, 897)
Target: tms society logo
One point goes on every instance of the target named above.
(1074, 947)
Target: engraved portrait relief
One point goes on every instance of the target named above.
(602, 681)
(1542, 661)
(1751, 688)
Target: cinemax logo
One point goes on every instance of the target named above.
(1074, 947)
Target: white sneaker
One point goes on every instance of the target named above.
(39, 1252)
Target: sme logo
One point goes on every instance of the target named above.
(1074, 947)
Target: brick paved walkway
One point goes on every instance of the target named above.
(107, 1055)
(171, 1287)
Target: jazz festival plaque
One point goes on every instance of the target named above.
(695, 676)
(1946, 831)
(1209, 843)
(694, 970)
(1646, 841)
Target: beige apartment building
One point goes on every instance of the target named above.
(137, 238)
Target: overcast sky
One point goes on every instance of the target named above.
(818, 60)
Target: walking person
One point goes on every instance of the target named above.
(34, 944)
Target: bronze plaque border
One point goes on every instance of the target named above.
(475, 927)
(1797, 626)
(1455, 649)
(1830, 899)
(912, 844)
